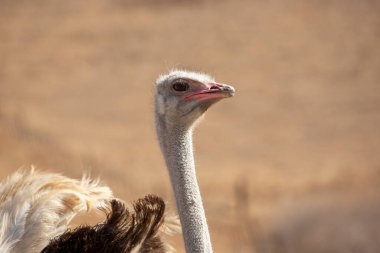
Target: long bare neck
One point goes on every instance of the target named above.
(176, 145)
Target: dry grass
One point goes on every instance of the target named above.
(291, 164)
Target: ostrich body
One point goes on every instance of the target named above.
(181, 99)
(36, 208)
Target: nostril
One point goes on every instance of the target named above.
(214, 87)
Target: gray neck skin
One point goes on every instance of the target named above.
(176, 145)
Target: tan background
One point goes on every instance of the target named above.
(290, 164)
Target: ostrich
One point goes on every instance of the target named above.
(49, 201)
(181, 98)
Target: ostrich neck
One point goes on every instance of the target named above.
(177, 147)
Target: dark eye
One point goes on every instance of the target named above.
(180, 86)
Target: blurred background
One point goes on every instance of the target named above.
(290, 164)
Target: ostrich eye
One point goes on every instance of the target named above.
(180, 86)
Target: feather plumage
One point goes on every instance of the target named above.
(123, 231)
(37, 206)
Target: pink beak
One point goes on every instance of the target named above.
(213, 90)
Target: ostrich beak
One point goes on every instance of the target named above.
(213, 91)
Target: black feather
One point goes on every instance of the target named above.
(122, 231)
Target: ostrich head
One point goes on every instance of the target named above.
(183, 96)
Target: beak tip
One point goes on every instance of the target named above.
(229, 89)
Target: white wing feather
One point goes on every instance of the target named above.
(37, 206)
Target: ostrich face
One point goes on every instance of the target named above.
(182, 96)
